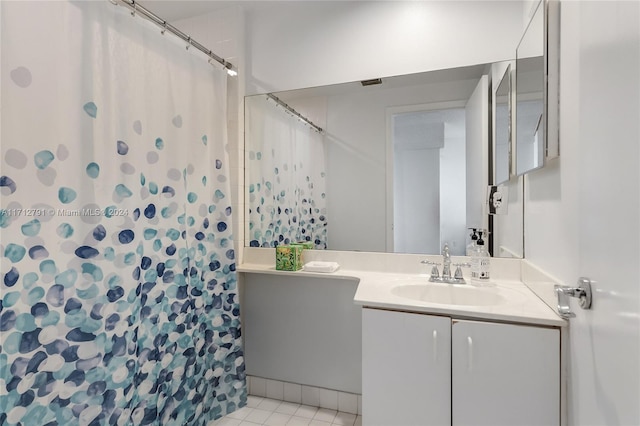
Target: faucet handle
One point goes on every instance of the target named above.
(435, 274)
(458, 274)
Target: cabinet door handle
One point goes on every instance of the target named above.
(435, 345)
(469, 354)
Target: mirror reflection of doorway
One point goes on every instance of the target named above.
(429, 180)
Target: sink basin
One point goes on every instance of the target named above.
(448, 294)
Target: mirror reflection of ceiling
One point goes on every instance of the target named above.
(426, 129)
(451, 77)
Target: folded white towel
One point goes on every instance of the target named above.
(319, 266)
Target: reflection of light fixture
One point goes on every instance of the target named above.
(371, 82)
(232, 72)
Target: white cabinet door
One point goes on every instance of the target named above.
(505, 374)
(406, 369)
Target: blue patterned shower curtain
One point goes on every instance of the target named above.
(286, 175)
(118, 296)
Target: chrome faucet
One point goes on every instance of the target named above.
(446, 263)
(446, 269)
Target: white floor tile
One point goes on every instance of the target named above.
(269, 404)
(264, 411)
(258, 416)
(277, 419)
(240, 414)
(325, 415)
(344, 419)
(306, 411)
(253, 401)
(298, 421)
(225, 421)
(287, 408)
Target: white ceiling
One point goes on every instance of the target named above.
(174, 10)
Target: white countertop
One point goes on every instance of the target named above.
(375, 290)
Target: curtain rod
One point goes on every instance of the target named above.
(165, 26)
(294, 112)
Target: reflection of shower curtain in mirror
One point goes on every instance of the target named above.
(287, 200)
(118, 284)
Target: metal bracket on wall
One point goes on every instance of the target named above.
(581, 292)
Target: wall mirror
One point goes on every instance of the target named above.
(536, 90)
(502, 130)
(405, 154)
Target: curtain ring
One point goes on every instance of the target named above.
(164, 28)
(188, 42)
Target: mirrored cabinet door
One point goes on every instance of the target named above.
(536, 133)
(530, 74)
(502, 133)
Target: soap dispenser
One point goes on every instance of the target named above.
(473, 244)
(480, 261)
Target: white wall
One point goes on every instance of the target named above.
(582, 210)
(315, 43)
(303, 330)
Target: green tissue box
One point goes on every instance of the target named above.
(289, 258)
(305, 244)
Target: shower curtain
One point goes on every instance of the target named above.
(286, 173)
(118, 294)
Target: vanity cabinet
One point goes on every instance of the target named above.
(424, 370)
(406, 369)
(504, 374)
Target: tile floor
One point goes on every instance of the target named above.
(272, 412)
